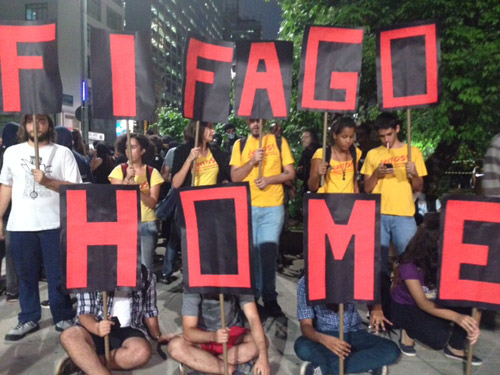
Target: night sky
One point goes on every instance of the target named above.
(269, 14)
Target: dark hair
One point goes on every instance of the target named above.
(144, 142)
(229, 126)
(340, 124)
(190, 132)
(387, 120)
(157, 143)
(22, 134)
(314, 135)
(78, 144)
(422, 250)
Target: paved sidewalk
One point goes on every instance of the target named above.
(38, 353)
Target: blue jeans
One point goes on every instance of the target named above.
(368, 352)
(149, 237)
(28, 250)
(267, 223)
(399, 229)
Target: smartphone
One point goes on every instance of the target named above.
(388, 165)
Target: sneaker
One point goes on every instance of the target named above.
(380, 371)
(66, 366)
(307, 368)
(21, 330)
(476, 361)
(273, 309)
(45, 304)
(12, 297)
(408, 350)
(64, 324)
(167, 279)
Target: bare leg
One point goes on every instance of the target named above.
(134, 352)
(242, 352)
(79, 345)
(198, 359)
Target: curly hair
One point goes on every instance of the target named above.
(422, 250)
(144, 142)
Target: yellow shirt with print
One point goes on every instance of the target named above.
(396, 191)
(207, 170)
(334, 182)
(272, 165)
(147, 214)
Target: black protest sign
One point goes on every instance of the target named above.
(407, 66)
(469, 266)
(122, 75)
(29, 70)
(216, 237)
(342, 247)
(330, 68)
(207, 79)
(100, 237)
(263, 79)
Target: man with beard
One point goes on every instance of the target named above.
(34, 220)
(267, 193)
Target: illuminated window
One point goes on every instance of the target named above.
(35, 12)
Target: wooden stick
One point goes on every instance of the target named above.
(325, 135)
(476, 314)
(129, 147)
(193, 169)
(341, 336)
(223, 326)
(261, 131)
(106, 338)
(408, 130)
(35, 141)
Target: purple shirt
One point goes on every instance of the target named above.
(400, 293)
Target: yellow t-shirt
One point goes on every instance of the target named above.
(334, 182)
(272, 165)
(397, 195)
(207, 170)
(147, 214)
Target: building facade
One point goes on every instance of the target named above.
(75, 18)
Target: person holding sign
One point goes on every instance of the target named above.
(200, 347)
(34, 221)
(340, 168)
(320, 344)
(414, 291)
(211, 165)
(389, 172)
(267, 193)
(132, 316)
(149, 180)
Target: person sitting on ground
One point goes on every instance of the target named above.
(320, 345)
(413, 308)
(134, 316)
(200, 345)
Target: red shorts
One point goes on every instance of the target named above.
(216, 348)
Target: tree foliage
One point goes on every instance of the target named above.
(467, 116)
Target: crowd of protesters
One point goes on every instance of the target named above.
(30, 245)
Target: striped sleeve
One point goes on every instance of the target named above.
(491, 179)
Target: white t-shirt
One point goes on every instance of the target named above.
(122, 307)
(34, 207)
